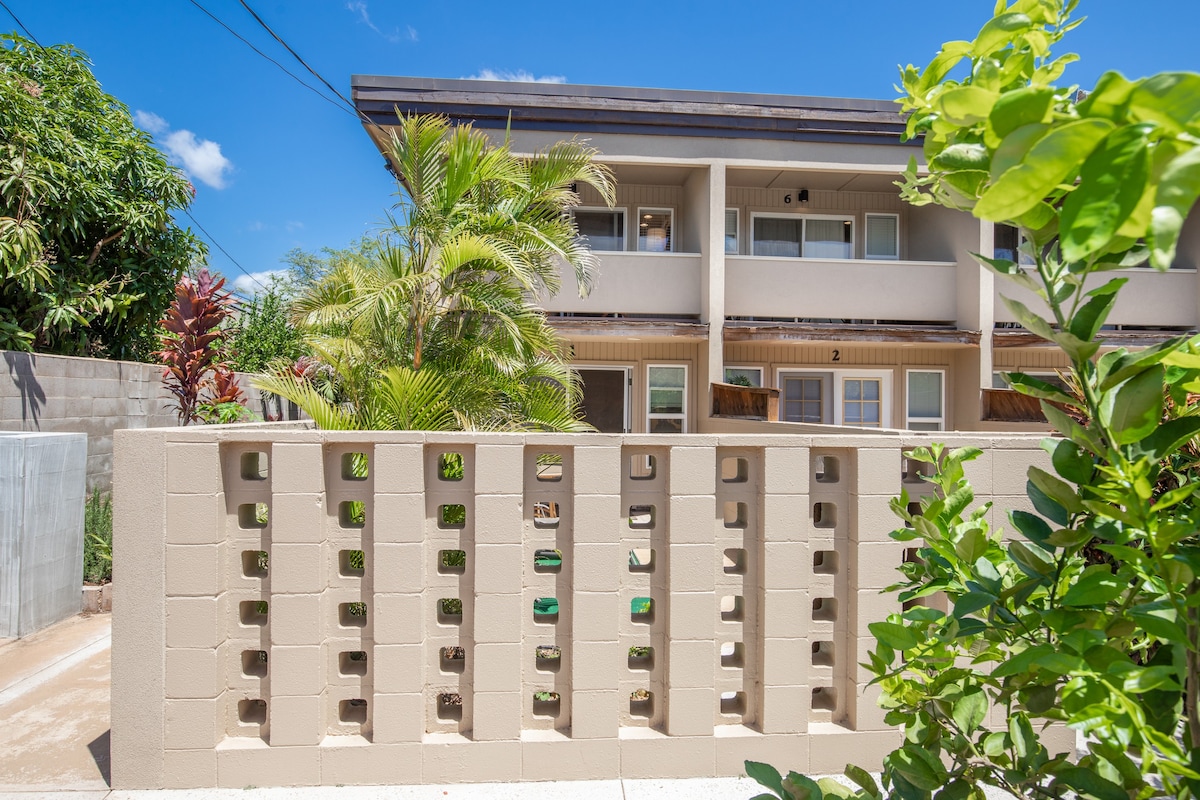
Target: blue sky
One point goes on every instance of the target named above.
(277, 168)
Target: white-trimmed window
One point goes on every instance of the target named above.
(654, 230)
(858, 398)
(882, 236)
(666, 398)
(603, 227)
(807, 236)
(736, 374)
(925, 400)
(731, 231)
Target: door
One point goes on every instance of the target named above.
(605, 398)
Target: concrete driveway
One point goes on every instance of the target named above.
(54, 689)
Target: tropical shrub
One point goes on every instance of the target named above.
(433, 327)
(1088, 617)
(193, 352)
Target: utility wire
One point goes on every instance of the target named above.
(285, 70)
(20, 24)
(304, 64)
(223, 250)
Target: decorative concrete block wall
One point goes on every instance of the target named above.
(41, 529)
(300, 608)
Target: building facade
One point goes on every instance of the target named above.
(762, 239)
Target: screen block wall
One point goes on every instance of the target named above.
(298, 607)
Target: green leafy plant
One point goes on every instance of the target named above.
(89, 250)
(262, 333)
(1089, 617)
(97, 538)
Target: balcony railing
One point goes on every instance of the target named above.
(299, 607)
(635, 283)
(769, 287)
(1150, 299)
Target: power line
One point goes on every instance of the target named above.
(304, 64)
(285, 70)
(20, 24)
(223, 250)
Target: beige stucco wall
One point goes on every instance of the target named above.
(758, 620)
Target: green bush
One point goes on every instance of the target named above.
(97, 538)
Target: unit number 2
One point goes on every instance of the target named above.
(837, 355)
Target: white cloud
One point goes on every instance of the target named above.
(150, 121)
(518, 76)
(255, 282)
(293, 225)
(360, 8)
(200, 158)
(256, 226)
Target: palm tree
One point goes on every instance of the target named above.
(435, 328)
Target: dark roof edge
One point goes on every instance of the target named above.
(780, 101)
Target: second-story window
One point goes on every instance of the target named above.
(654, 230)
(603, 227)
(803, 237)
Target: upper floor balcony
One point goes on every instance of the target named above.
(814, 288)
(1151, 299)
(649, 284)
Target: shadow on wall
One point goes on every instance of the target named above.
(20, 369)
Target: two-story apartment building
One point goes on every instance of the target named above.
(762, 237)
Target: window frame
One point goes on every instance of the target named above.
(866, 218)
(683, 417)
(725, 372)
(737, 231)
(670, 236)
(908, 418)
(622, 210)
(757, 215)
(884, 376)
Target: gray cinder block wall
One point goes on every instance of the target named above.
(55, 394)
(41, 529)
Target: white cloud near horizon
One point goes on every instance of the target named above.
(517, 76)
(201, 159)
(254, 283)
(360, 8)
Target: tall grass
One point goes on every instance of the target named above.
(97, 538)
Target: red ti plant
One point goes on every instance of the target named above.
(192, 346)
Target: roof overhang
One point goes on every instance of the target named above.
(585, 110)
(1022, 338)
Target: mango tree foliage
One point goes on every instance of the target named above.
(1088, 615)
(89, 253)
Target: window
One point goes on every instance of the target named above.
(731, 231)
(844, 397)
(740, 375)
(654, 230)
(862, 402)
(804, 399)
(883, 236)
(666, 387)
(603, 227)
(1006, 244)
(803, 237)
(926, 400)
